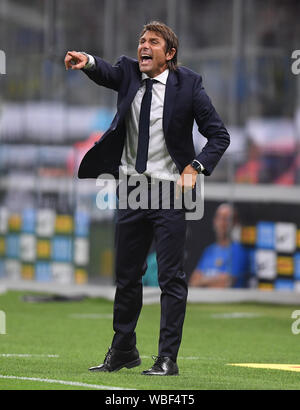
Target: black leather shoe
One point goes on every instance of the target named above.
(117, 359)
(163, 366)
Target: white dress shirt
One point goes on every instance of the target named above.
(160, 164)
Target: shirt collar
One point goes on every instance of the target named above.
(162, 77)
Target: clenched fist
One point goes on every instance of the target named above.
(75, 60)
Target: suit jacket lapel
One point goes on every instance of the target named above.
(170, 97)
(133, 88)
(124, 105)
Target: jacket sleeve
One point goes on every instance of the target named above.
(210, 126)
(105, 74)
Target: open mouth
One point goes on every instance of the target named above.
(145, 58)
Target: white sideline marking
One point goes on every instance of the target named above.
(235, 315)
(28, 355)
(64, 382)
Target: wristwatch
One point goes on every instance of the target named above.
(197, 166)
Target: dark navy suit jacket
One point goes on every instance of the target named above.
(185, 101)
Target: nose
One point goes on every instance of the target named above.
(145, 45)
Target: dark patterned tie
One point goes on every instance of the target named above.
(144, 123)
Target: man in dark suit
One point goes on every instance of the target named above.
(151, 135)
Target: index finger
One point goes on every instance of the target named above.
(73, 53)
(68, 58)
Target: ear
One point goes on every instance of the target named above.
(170, 54)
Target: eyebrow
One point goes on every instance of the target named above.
(151, 38)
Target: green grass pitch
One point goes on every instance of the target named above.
(59, 341)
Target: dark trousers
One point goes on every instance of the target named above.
(135, 230)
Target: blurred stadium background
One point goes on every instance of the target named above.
(50, 227)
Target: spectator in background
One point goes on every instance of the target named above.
(224, 263)
(250, 171)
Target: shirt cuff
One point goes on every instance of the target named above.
(90, 65)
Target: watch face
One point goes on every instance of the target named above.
(196, 165)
